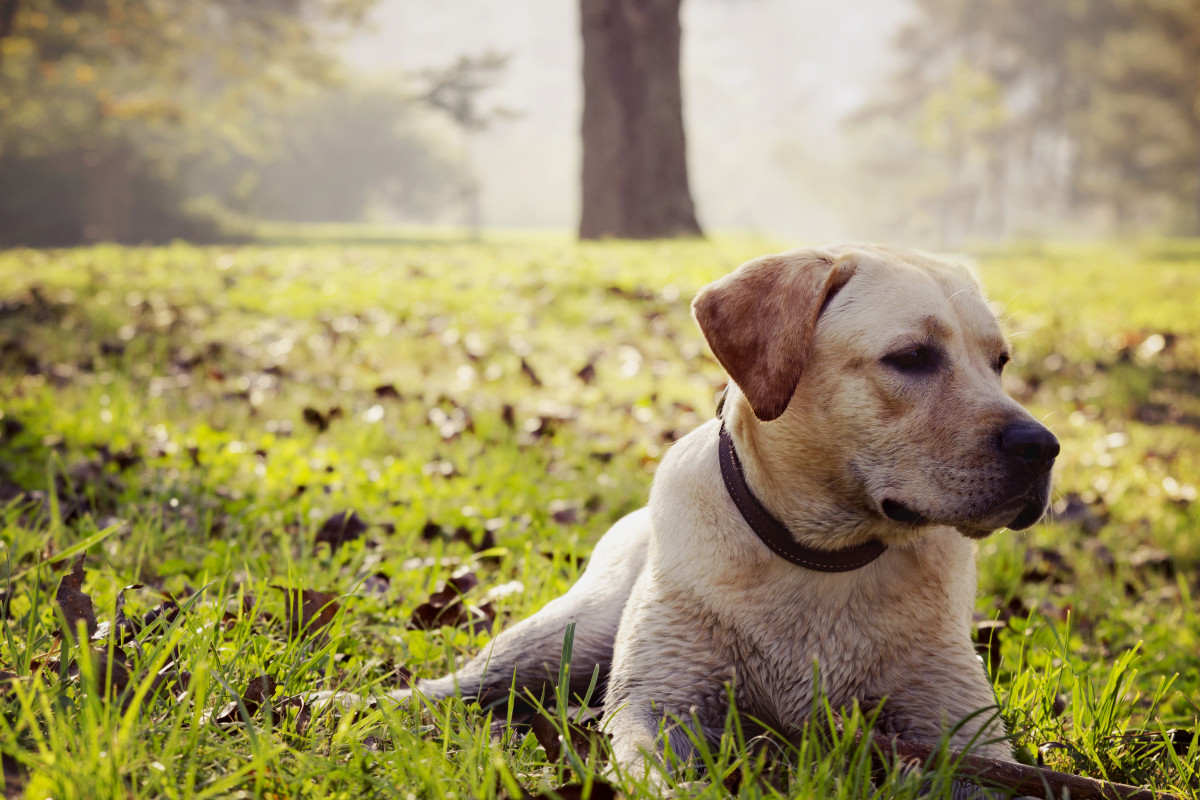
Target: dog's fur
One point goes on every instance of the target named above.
(866, 390)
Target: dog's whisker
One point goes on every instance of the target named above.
(1014, 296)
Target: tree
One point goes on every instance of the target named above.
(455, 91)
(113, 93)
(1097, 105)
(350, 152)
(635, 180)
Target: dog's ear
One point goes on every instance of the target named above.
(759, 321)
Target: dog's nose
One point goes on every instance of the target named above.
(1030, 443)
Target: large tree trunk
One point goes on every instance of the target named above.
(635, 182)
(8, 13)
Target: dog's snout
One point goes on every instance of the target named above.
(1030, 443)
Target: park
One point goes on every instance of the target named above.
(295, 402)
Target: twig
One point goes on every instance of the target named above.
(1020, 778)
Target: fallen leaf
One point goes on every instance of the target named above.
(15, 776)
(168, 610)
(1152, 558)
(308, 610)
(169, 677)
(303, 712)
(446, 608)
(551, 740)
(399, 677)
(256, 695)
(564, 513)
(303, 718)
(377, 584)
(258, 691)
(112, 673)
(463, 582)
(1046, 564)
(1073, 509)
(76, 606)
(124, 628)
(528, 372)
(342, 527)
(321, 420)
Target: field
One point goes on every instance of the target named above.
(275, 458)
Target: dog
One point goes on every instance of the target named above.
(826, 517)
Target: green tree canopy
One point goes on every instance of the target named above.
(1091, 107)
(100, 99)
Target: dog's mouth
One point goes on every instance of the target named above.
(1016, 514)
(898, 512)
(1030, 512)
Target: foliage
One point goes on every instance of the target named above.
(100, 100)
(86, 67)
(202, 421)
(339, 154)
(1092, 115)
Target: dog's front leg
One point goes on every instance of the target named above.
(953, 695)
(667, 686)
(949, 699)
(526, 656)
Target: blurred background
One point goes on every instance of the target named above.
(934, 122)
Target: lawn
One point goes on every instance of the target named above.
(333, 466)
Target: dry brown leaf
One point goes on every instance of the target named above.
(342, 527)
(76, 606)
(308, 610)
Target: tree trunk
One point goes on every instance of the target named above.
(8, 13)
(635, 182)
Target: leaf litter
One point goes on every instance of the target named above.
(537, 430)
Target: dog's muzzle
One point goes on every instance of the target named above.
(1026, 452)
(1028, 449)
(1029, 446)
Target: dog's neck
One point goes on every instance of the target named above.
(774, 534)
(824, 520)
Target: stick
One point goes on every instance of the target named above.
(1035, 781)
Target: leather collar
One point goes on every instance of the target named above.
(774, 534)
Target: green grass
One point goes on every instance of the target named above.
(155, 401)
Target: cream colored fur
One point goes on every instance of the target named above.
(681, 600)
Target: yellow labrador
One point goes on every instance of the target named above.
(826, 516)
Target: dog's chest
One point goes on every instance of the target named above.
(853, 637)
(807, 642)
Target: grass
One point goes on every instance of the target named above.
(193, 418)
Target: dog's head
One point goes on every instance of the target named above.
(875, 374)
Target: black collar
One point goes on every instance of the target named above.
(774, 534)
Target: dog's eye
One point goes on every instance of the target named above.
(912, 359)
(1001, 361)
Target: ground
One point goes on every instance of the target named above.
(273, 459)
